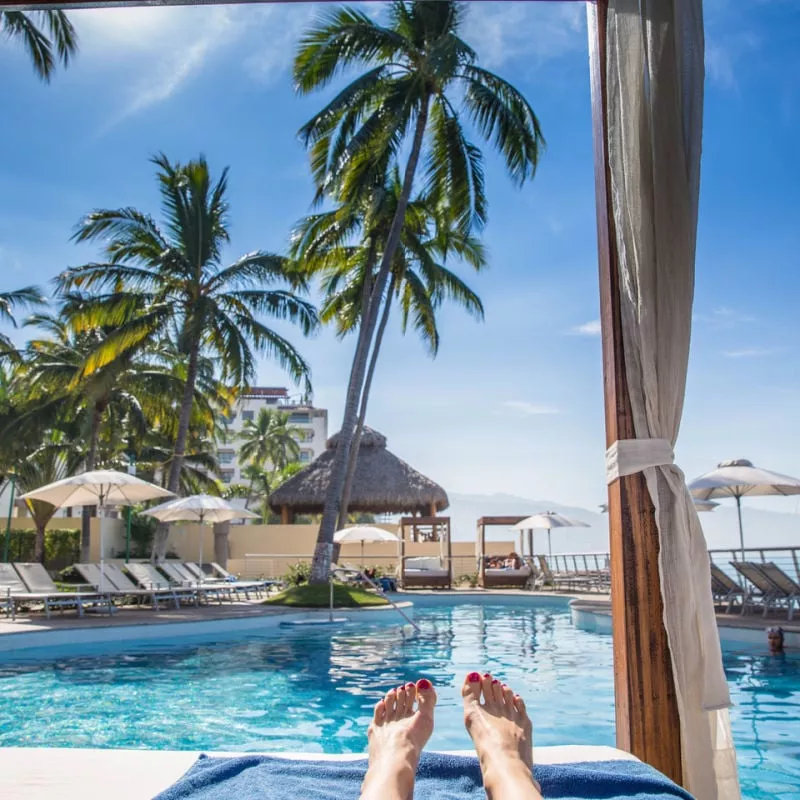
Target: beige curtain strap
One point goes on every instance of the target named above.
(629, 456)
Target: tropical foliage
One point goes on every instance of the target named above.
(414, 74)
(169, 282)
(47, 37)
(141, 354)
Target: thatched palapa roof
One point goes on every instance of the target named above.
(382, 484)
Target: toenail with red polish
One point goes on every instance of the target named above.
(486, 675)
(473, 677)
(494, 681)
(424, 684)
(409, 685)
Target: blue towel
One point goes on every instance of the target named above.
(439, 777)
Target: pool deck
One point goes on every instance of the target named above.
(730, 623)
(86, 774)
(594, 603)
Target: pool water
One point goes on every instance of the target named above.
(312, 689)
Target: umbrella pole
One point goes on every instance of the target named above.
(741, 528)
(201, 542)
(549, 546)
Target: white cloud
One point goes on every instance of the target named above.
(591, 328)
(502, 32)
(752, 352)
(724, 318)
(525, 409)
(166, 48)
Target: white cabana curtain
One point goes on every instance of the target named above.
(654, 53)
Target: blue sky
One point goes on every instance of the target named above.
(513, 404)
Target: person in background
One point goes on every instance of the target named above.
(513, 561)
(775, 639)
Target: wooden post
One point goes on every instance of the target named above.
(646, 706)
(285, 515)
(403, 559)
(481, 553)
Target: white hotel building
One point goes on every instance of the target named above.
(303, 415)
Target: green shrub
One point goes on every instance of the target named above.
(471, 579)
(298, 573)
(62, 546)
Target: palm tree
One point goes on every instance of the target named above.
(269, 438)
(53, 460)
(419, 283)
(417, 69)
(130, 392)
(11, 302)
(27, 29)
(174, 280)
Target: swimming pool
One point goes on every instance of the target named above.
(313, 689)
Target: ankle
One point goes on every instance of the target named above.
(392, 771)
(509, 779)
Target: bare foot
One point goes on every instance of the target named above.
(397, 735)
(503, 737)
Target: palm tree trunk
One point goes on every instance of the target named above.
(362, 414)
(320, 566)
(249, 493)
(173, 482)
(38, 542)
(91, 462)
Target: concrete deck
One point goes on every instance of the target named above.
(729, 623)
(85, 774)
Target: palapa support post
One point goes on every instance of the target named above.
(481, 553)
(646, 707)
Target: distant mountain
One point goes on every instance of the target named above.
(761, 528)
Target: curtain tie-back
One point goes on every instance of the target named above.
(628, 456)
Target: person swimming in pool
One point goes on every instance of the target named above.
(775, 639)
(495, 718)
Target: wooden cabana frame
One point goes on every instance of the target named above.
(483, 523)
(647, 720)
(426, 529)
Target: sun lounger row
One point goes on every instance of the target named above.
(172, 582)
(30, 585)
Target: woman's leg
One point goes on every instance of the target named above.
(503, 737)
(397, 735)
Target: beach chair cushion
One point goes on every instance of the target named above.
(424, 564)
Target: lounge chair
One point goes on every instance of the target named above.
(764, 591)
(148, 577)
(724, 588)
(783, 583)
(119, 584)
(573, 581)
(495, 577)
(39, 587)
(260, 587)
(183, 580)
(16, 594)
(417, 572)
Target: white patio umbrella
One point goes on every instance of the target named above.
(739, 478)
(549, 520)
(363, 533)
(100, 487)
(200, 508)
